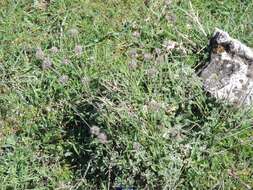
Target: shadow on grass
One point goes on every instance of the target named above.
(81, 149)
(87, 157)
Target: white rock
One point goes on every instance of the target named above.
(229, 73)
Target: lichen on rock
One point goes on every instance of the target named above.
(229, 73)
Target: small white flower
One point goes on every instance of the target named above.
(39, 54)
(54, 50)
(169, 45)
(133, 64)
(152, 72)
(167, 2)
(133, 53)
(147, 56)
(94, 130)
(73, 32)
(136, 34)
(158, 51)
(155, 106)
(102, 137)
(171, 18)
(47, 63)
(136, 146)
(85, 80)
(78, 50)
(63, 79)
(65, 61)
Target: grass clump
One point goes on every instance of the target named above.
(97, 95)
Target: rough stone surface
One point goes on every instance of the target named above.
(228, 75)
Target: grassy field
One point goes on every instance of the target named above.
(97, 94)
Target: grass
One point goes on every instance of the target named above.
(125, 107)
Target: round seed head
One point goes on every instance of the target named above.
(63, 79)
(137, 146)
(171, 18)
(47, 63)
(158, 51)
(73, 32)
(155, 106)
(78, 50)
(167, 2)
(133, 64)
(133, 53)
(152, 72)
(136, 34)
(169, 45)
(54, 50)
(65, 61)
(94, 130)
(85, 80)
(102, 137)
(39, 54)
(147, 56)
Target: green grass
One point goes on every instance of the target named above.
(163, 131)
